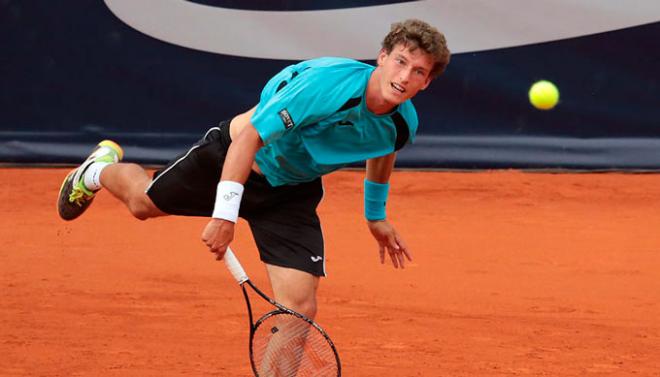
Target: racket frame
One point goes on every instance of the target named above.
(242, 278)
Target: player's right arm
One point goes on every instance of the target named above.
(219, 232)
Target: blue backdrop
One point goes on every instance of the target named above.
(73, 73)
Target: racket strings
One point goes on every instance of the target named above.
(286, 346)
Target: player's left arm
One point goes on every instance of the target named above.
(377, 179)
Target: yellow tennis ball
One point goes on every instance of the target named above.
(543, 95)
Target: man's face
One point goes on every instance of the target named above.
(405, 73)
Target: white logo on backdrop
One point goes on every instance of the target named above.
(470, 25)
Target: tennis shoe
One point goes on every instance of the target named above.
(74, 197)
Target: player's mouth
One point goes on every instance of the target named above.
(398, 88)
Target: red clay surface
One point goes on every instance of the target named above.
(514, 274)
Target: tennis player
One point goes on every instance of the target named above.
(265, 165)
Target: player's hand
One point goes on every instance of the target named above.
(389, 242)
(217, 235)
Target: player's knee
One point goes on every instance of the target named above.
(140, 208)
(294, 289)
(138, 212)
(306, 306)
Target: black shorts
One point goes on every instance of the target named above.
(283, 219)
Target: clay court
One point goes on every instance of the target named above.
(514, 274)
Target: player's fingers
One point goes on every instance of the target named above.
(405, 253)
(392, 242)
(408, 254)
(218, 247)
(220, 252)
(402, 244)
(206, 239)
(211, 248)
(220, 255)
(404, 247)
(381, 250)
(393, 257)
(402, 260)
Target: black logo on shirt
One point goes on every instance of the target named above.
(286, 119)
(345, 123)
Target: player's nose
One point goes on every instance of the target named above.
(404, 75)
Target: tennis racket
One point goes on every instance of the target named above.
(285, 343)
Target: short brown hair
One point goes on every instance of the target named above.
(414, 33)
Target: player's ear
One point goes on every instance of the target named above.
(427, 83)
(381, 56)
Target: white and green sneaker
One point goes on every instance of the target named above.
(74, 196)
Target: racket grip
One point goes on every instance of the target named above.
(235, 267)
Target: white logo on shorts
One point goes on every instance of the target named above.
(315, 259)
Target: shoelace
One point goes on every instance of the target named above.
(79, 196)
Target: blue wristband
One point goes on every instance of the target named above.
(375, 198)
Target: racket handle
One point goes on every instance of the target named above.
(235, 267)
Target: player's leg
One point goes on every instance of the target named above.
(288, 234)
(294, 289)
(128, 183)
(186, 186)
(102, 169)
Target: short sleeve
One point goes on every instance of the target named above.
(299, 98)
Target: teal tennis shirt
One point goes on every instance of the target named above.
(313, 119)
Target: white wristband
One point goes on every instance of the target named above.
(227, 201)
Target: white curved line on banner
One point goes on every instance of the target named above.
(470, 25)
